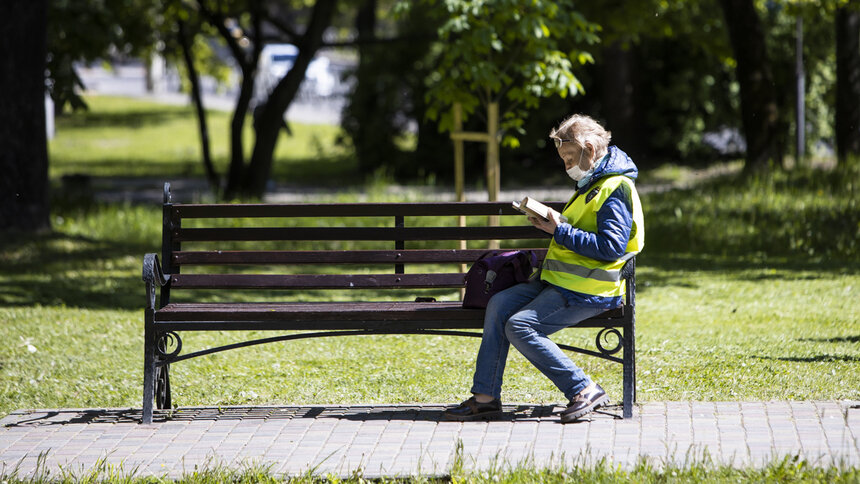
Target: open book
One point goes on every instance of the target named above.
(530, 206)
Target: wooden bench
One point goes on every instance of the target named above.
(377, 266)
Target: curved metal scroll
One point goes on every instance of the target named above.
(603, 335)
(165, 341)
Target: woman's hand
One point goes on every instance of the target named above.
(547, 226)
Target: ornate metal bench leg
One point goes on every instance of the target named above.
(629, 378)
(148, 374)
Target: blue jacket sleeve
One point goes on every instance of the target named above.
(614, 222)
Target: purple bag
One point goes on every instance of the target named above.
(496, 271)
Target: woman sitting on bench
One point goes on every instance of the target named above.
(580, 277)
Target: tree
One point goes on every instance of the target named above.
(245, 26)
(759, 111)
(90, 30)
(504, 57)
(513, 52)
(660, 79)
(24, 157)
(848, 82)
(221, 17)
(388, 90)
(186, 41)
(368, 116)
(270, 120)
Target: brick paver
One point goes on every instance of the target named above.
(397, 440)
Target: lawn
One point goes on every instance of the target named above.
(747, 291)
(785, 471)
(121, 137)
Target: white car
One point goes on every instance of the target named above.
(277, 59)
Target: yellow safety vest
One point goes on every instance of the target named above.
(565, 268)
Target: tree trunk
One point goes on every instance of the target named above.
(237, 125)
(758, 102)
(197, 97)
(248, 63)
(848, 83)
(619, 100)
(270, 121)
(368, 143)
(24, 154)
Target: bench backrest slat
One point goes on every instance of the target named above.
(347, 209)
(354, 233)
(316, 281)
(334, 246)
(289, 257)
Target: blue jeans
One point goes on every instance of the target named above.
(525, 315)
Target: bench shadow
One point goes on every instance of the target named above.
(811, 359)
(361, 413)
(837, 339)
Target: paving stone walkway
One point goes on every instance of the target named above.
(399, 440)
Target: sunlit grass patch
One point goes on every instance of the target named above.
(122, 137)
(699, 469)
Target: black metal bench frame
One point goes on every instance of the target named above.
(164, 320)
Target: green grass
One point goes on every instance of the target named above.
(121, 137)
(700, 470)
(747, 291)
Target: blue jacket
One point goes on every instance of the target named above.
(614, 221)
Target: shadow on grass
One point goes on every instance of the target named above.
(811, 359)
(74, 271)
(129, 118)
(842, 339)
(112, 168)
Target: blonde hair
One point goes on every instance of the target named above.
(584, 129)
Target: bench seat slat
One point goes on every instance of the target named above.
(356, 233)
(337, 315)
(326, 257)
(316, 281)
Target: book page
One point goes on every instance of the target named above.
(530, 206)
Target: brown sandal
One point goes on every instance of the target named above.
(471, 409)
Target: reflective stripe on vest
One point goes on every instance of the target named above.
(576, 272)
(613, 275)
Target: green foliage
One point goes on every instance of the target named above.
(819, 63)
(88, 30)
(515, 52)
(203, 40)
(388, 97)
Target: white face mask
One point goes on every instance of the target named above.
(576, 173)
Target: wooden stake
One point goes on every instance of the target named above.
(493, 170)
